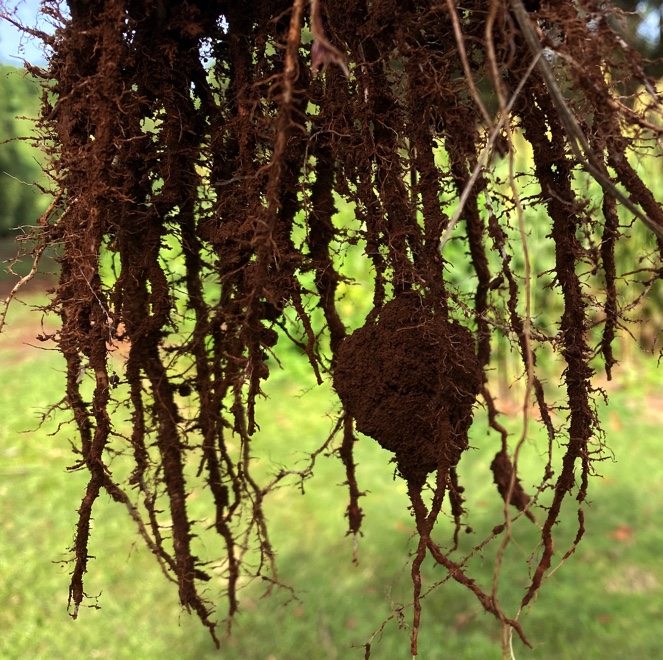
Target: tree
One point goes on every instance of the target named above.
(20, 203)
(643, 26)
(201, 150)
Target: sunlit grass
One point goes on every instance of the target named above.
(606, 602)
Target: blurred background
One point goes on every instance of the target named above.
(605, 602)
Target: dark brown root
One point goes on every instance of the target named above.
(200, 162)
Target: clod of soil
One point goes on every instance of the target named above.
(410, 380)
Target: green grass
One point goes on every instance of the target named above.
(606, 602)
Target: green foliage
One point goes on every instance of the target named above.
(21, 202)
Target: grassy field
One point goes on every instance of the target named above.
(606, 602)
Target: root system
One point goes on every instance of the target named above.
(201, 151)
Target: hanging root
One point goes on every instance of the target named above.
(200, 155)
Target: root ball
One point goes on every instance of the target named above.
(410, 380)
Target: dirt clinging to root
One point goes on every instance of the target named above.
(410, 380)
(200, 152)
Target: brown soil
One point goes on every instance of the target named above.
(410, 380)
(40, 284)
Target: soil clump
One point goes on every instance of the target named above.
(410, 380)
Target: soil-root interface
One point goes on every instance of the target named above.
(201, 150)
